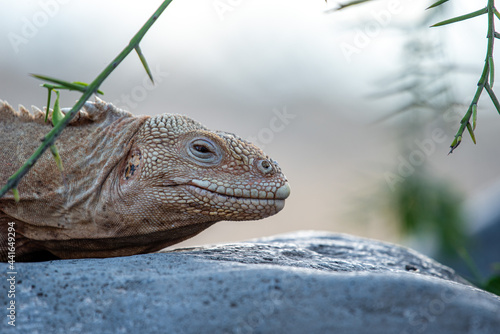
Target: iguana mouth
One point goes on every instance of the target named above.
(257, 207)
(267, 192)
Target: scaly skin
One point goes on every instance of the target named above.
(130, 184)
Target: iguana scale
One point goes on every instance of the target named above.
(130, 184)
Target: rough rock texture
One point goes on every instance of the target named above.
(307, 282)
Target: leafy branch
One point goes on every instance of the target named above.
(487, 78)
(88, 90)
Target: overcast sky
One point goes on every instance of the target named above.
(251, 49)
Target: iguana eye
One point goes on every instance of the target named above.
(204, 151)
(201, 148)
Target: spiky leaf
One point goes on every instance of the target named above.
(493, 97)
(144, 62)
(351, 3)
(48, 103)
(471, 132)
(438, 3)
(455, 143)
(57, 157)
(61, 84)
(15, 192)
(462, 17)
(57, 114)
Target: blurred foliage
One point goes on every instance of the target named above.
(493, 285)
(487, 77)
(424, 205)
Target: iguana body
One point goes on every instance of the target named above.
(130, 184)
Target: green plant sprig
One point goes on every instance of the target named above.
(88, 91)
(487, 78)
(61, 84)
(75, 85)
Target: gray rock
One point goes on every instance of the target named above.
(308, 282)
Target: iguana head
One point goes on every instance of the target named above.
(130, 184)
(199, 175)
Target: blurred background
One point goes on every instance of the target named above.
(358, 106)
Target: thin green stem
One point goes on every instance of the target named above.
(485, 76)
(51, 137)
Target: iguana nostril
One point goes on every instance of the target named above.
(265, 166)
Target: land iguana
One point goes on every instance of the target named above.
(130, 184)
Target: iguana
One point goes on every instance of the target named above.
(130, 184)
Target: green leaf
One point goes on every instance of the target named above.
(471, 132)
(57, 157)
(438, 3)
(493, 97)
(351, 3)
(86, 85)
(455, 143)
(48, 104)
(474, 116)
(57, 117)
(61, 84)
(493, 285)
(57, 114)
(144, 62)
(462, 17)
(81, 83)
(491, 65)
(15, 192)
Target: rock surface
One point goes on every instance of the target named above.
(306, 282)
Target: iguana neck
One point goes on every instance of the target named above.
(105, 147)
(89, 152)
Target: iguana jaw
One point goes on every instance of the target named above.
(247, 201)
(231, 200)
(263, 191)
(224, 207)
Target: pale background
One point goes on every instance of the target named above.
(232, 71)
